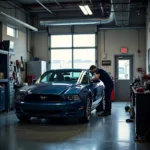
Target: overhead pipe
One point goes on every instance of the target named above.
(102, 9)
(80, 21)
(44, 6)
(91, 2)
(19, 21)
(118, 28)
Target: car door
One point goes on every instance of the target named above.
(96, 88)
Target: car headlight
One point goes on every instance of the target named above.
(73, 97)
(20, 97)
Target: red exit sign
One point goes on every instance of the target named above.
(124, 50)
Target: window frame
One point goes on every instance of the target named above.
(63, 46)
(57, 49)
(78, 47)
(72, 48)
(15, 30)
(54, 72)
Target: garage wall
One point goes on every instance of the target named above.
(115, 39)
(39, 44)
(39, 40)
(20, 42)
(147, 35)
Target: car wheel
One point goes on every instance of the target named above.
(101, 105)
(24, 118)
(87, 112)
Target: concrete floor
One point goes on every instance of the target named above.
(110, 133)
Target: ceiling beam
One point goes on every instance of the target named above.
(17, 5)
(57, 2)
(88, 2)
(73, 6)
(44, 7)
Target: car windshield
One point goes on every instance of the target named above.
(61, 76)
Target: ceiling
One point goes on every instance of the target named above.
(126, 12)
(55, 1)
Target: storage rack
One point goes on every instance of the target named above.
(4, 67)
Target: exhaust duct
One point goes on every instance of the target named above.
(80, 21)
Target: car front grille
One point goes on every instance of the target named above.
(43, 112)
(43, 98)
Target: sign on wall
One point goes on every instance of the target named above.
(106, 62)
(124, 50)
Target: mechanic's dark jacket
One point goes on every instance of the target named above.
(105, 78)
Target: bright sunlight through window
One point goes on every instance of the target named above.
(12, 32)
(73, 51)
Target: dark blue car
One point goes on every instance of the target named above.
(60, 93)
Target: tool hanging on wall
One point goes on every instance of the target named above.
(22, 64)
(11, 66)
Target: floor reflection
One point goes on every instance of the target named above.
(110, 133)
(123, 131)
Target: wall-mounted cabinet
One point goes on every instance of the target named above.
(3, 65)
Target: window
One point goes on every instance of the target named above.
(90, 75)
(84, 40)
(85, 79)
(61, 58)
(46, 78)
(73, 51)
(124, 69)
(11, 31)
(61, 75)
(83, 58)
(61, 41)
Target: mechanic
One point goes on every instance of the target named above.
(106, 79)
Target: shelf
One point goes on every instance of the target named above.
(3, 52)
(3, 80)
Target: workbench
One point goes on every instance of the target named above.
(141, 101)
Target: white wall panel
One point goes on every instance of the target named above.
(115, 39)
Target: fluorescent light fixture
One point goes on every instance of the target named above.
(88, 9)
(83, 10)
(20, 22)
